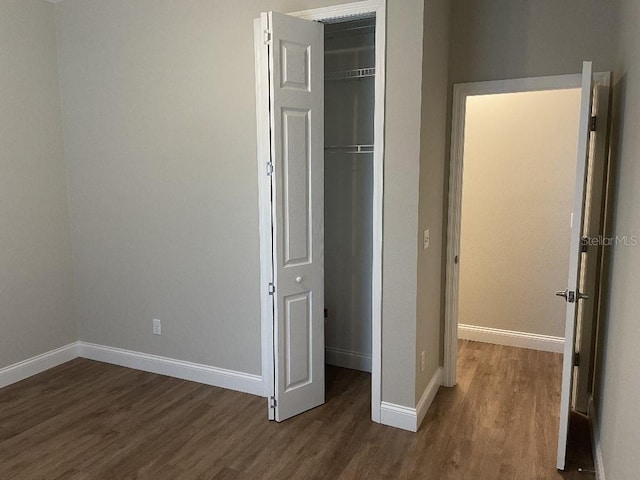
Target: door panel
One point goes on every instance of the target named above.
(296, 79)
(296, 168)
(572, 293)
(298, 342)
(295, 66)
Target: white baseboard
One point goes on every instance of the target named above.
(398, 416)
(347, 359)
(408, 418)
(534, 341)
(218, 377)
(595, 441)
(428, 395)
(35, 365)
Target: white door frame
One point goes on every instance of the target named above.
(460, 93)
(332, 14)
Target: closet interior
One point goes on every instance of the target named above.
(349, 144)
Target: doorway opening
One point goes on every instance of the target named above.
(349, 93)
(517, 199)
(527, 178)
(518, 182)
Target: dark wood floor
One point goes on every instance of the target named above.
(88, 420)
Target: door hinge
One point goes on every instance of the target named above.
(274, 402)
(593, 123)
(272, 288)
(267, 37)
(269, 169)
(576, 359)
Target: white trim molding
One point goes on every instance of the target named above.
(597, 451)
(398, 416)
(194, 372)
(595, 441)
(511, 338)
(347, 359)
(428, 395)
(38, 364)
(408, 418)
(460, 93)
(264, 210)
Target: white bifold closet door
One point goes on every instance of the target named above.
(296, 101)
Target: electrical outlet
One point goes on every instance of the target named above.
(157, 327)
(422, 360)
(425, 239)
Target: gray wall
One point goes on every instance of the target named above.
(432, 177)
(494, 40)
(618, 388)
(36, 285)
(401, 174)
(160, 139)
(517, 198)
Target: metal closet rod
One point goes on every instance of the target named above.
(348, 74)
(344, 50)
(358, 148)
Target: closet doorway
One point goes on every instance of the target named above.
(320, 111)
(348, 191)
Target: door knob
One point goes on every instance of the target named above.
(299, 279)
(571, 296)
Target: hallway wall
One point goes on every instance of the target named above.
(618, 383)
(517, 199)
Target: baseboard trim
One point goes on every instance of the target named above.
(511, 338)
(38, 364)
(398, 416)
(428, 395)
(597, 452)
(347, 359)
(218, 377)
(408, 418)
(194, 372)
(595, 441)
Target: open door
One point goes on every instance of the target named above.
(592, 231)
(572, 294)
(291, 119)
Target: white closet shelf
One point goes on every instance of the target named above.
(349, 149)
(348, 74)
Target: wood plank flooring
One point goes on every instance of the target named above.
(89, 420)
